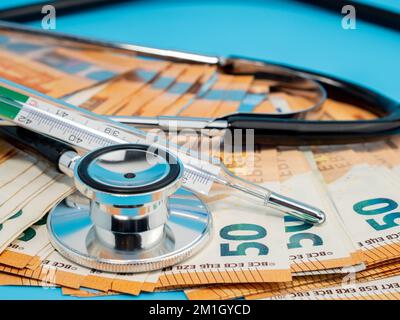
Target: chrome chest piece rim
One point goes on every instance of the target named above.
(134, 217)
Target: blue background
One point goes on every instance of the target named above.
(393, 5)
(278, 31)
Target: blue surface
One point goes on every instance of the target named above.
(279, 31)
(6, 4)
(39, 293)
(275, 30)
(392, 5)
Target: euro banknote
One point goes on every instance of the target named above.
(366, 199)
(254, 253)
(383, 289)
(246, 243)
(54, 69)
(313, 248)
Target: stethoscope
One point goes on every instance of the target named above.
(140, 221)
(137, 218)
(283, 128)
(129, 213)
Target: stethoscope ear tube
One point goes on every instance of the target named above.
(280, 139)
(39, 144)
(296, 132)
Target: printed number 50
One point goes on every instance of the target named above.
(246, 232)
(385, 206)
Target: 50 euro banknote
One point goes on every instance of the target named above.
(263, 257)
(313, 249)
(382, 289)
(28, 189)
(298, 284)
(247, 241)
(54, 269)
(54, 69)
(32, 256)
(366, 198)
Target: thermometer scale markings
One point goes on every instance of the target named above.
(50, 120)
(62, 130)
(195, 177)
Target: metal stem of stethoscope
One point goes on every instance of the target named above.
(173, 122)
(137, 218)
(118, 47)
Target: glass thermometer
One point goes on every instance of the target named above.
(86, 131)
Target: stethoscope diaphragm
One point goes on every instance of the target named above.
(137, 218)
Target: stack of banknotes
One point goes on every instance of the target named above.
(254, 252)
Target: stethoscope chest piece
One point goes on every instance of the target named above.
(130, 214)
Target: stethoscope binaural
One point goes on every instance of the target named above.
(286, 128)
